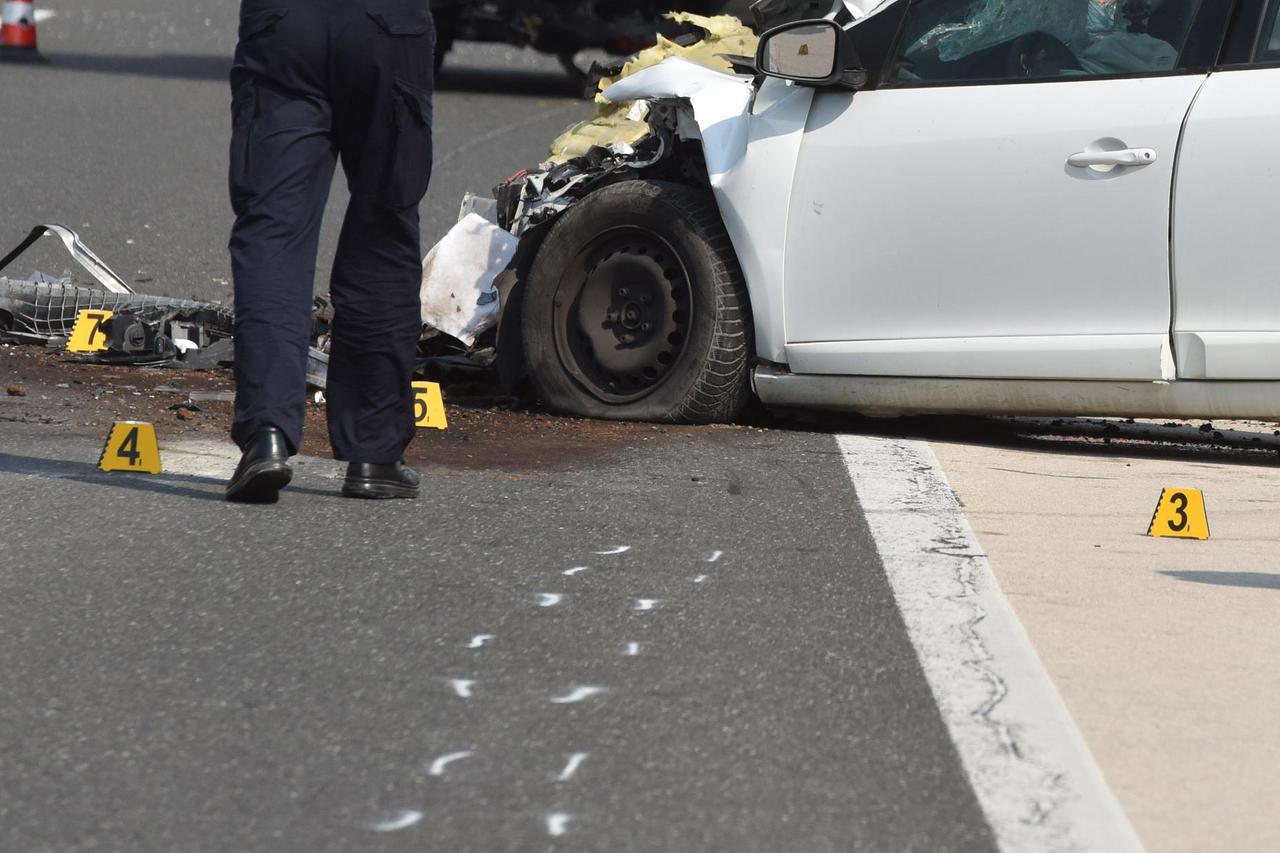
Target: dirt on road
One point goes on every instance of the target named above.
(45, 389)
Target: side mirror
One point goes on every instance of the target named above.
(807, 52)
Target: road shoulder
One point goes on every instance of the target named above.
(1163, 650)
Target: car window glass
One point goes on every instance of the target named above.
(1269, 47)
(995, 40)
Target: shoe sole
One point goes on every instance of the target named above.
(378, 490)
(260, 484)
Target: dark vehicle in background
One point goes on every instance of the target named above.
(565, 28)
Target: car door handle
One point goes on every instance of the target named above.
(1123, 157)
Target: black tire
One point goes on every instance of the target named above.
(635, 309)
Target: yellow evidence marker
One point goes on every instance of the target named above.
(88, 335)
(131, 446)
(1180, 514)
(428, 406)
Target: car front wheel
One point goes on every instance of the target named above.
(635, 309)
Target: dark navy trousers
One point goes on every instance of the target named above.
(315, 81)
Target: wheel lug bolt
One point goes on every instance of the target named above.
(646, 327)
(624, 292)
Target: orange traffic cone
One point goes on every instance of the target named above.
(18, 32)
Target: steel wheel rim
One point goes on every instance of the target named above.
(623, 314)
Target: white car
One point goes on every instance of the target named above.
(1003, 206)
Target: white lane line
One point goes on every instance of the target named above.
(441, 764)
(549, 599)
(578, 694)
(479, 640)
(617, 549)
(462, 687)
(632, 650)
(646, 603)
(715, 557)
(575, 761)
(402, 820)
(575, 570)
(1034, 777)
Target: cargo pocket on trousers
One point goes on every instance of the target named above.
(244, 109)
(410, 168)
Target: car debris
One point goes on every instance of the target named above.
(44, 310)
(143, 329)
(459, 296)
(626, 136)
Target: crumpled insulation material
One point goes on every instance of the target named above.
(621, 124)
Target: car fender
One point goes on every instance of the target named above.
(751, 144)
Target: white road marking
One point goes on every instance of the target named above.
(715, 558)
(442, 763)
(549, 599)
(575, 761)
(618, 549)
(633, 649)
(578, 694)
(462, 686)
(403, 820)
(575, 570)
(1035, 778)
(43, 15)
(479, 640)
(646, 603)
(700, 579)
(558, 823)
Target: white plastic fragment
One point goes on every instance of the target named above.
(458, 294)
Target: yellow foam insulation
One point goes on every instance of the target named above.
(725, 34)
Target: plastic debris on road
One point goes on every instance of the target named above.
(459, 296)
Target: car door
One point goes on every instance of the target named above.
(999, 206)
(1226, 221)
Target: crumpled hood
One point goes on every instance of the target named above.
(720, 102)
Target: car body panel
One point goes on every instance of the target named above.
(1227, 231)
(891, 396)
(1086, 325)
(1122, 357)
(922, 214)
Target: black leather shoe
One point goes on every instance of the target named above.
(263, 470)
(380, 482)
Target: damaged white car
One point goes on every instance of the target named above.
(1000, 206)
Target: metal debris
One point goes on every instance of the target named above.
(41, 309)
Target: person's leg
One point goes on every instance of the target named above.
(282, 162)
(381, 90)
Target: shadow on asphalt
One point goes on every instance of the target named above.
(173, 485)
(178, 66)
(1078, 436)
(1243, 580)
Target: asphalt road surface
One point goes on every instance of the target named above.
(475, 671)
(183, 674)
